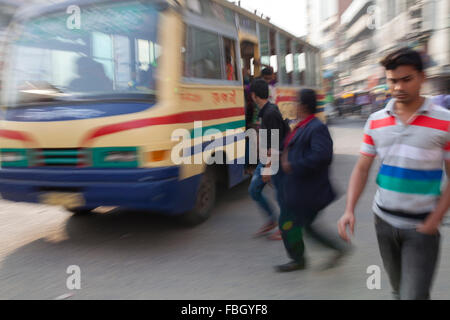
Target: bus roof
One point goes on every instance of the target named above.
(39, 9)
(34, 10)
(265, 22)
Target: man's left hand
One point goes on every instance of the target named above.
(429, 227)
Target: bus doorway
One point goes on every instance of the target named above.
(250, 70)
(249, 56)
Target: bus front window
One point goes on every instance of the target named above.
(113, 52)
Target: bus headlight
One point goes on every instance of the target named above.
(115, 157)
(121, 156)
(12, 157)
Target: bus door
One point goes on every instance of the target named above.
(249, 55)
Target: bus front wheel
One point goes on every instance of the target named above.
(204, 202)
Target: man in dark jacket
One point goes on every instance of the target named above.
(306, 187)
(274, 129)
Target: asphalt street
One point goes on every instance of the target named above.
(136, 255)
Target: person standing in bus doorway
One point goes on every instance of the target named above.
(412, 138)
(269, 76)
(306, 187)
(276, 128)
(230, 69)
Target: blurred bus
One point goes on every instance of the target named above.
(95, 89)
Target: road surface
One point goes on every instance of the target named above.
(133, 255)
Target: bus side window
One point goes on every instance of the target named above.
(286, 60)
(289, 62)
(273, 53)
(264, 43)
(299, 65)
(203, 55)
(184, 49)
(230, 59)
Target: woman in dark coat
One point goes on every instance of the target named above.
(306, 159)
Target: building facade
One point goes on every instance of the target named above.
(324, 17)
(370, 29)
(423, 25)
(357, 53)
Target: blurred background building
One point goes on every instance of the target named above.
(355, 34)
(356, 59)
(324, 20)
(423, 25)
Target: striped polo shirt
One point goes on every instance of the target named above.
(412, 162)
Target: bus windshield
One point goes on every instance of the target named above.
(102, 51)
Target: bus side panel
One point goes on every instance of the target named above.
(217, 99)
(186, 194)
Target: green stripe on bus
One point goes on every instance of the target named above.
(221, 127)
(62, 153)
(59, 161)
(409, 186)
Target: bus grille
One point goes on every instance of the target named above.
(60, 157)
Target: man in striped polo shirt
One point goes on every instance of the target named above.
(412, 139)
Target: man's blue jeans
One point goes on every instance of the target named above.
(256, 192)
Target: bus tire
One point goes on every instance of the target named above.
(204, 201)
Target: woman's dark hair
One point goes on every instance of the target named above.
(260, 88)
(403, 57)
(308, 98)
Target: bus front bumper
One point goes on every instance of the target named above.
(156, 189)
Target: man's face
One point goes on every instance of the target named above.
(268, 79)
(405, 83)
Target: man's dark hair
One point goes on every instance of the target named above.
(267, 71)
(403, 57)
(308, 98)
(260, 88)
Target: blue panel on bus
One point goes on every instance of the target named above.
(157, 189)
(74, 112)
